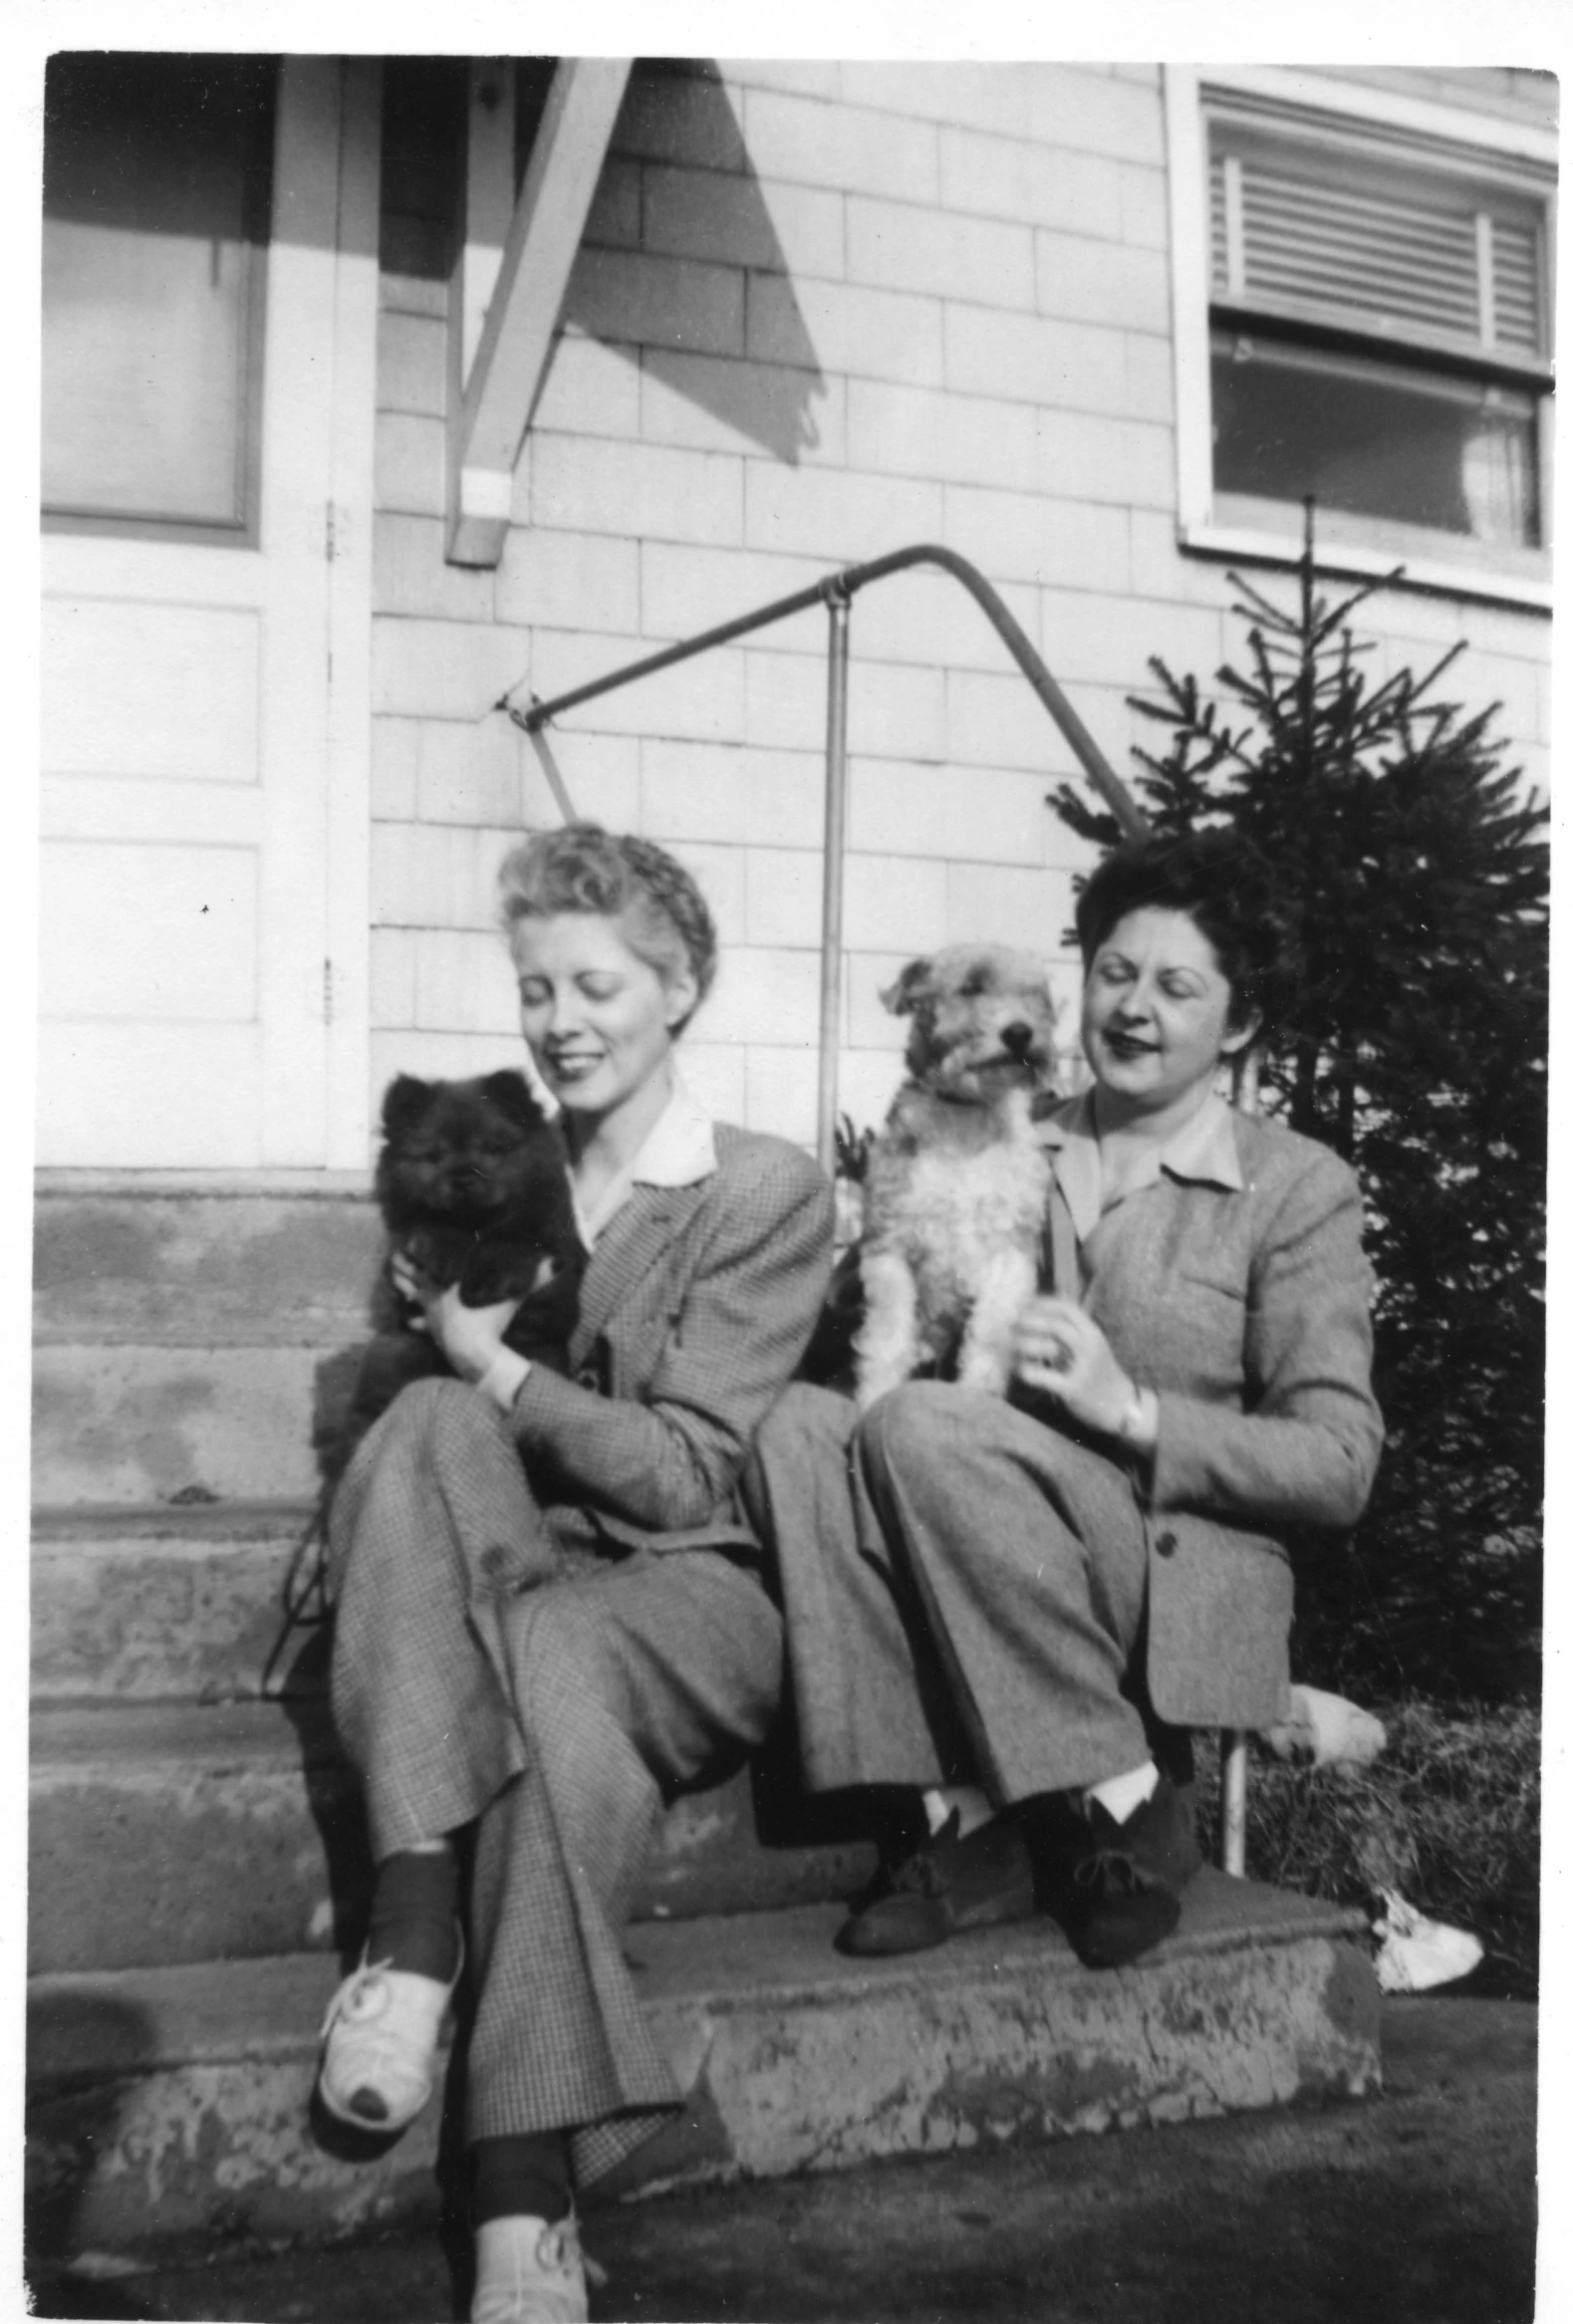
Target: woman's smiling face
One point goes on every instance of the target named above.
(597, 1016)
(1155, 1013)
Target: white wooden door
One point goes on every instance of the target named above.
(204, 726)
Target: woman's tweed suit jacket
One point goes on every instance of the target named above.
(1249, 1309)
(693, 1310)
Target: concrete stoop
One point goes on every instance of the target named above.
(167, 2101)
(193, 1832)
(198, 1865)
(185, 1326)
(150, 1604)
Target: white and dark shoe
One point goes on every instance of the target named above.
(380, 2046)
(528, 2271)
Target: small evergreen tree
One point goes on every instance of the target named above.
(1417, 870)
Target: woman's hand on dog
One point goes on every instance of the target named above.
(1061, 1352)
(469, 1337)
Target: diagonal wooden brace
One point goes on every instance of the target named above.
(504, 378)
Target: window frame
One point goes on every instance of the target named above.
(245, 530)
(1520, 156)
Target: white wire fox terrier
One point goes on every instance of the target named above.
(958, 1183)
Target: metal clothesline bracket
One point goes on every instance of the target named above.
(536, 736)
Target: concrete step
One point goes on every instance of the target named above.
(147, 1604)
(186, 1329)
(140, 1423)
(191, 1259)
(170, 2101)
(188, 1832)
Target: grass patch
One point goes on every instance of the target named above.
(1449, 1816)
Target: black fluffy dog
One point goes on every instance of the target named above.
(472, 1183)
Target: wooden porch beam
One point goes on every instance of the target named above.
(542, 241)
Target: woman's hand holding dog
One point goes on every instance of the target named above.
(1061, 1352)
(469, 1337)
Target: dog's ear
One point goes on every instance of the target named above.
(513, 1095)
(911, 988)
(406, 1100)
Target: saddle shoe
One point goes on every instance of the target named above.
(380, 2046)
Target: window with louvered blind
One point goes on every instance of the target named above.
(1379, 334)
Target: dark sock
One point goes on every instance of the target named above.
(524, 2176)
(413, 1909)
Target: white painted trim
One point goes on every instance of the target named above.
(1187, 242)
(1418, 117)
(541, 243)
(485, 492)
(295, 497)
(348, 806)
(1183, 88)
(1248, 546)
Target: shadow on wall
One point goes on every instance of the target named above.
(677, 184)
(719, 216)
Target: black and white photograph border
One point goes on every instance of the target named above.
(1009, 377)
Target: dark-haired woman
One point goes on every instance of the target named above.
(1001, 1604)
(548, 1614)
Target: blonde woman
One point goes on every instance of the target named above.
(553, 1714)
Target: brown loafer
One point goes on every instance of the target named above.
(947, 1885)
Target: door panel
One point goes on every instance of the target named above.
(186, 936)
(151, 689)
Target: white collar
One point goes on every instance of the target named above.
(678, 1150)
(1202, 1151)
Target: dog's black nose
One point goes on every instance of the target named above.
(1017, 1039)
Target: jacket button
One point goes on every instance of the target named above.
(1166, 1545)
(588, 1377)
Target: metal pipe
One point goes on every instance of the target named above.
(553, 773)
(1232, 1753)
(839, 606)
(1233, 1760)
(849, 581)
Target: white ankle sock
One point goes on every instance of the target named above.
(1121, 1795)
(965, 1800)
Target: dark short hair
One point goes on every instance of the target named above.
(1223, 884)
(582, 868)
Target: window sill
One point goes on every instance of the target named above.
(1248, 544)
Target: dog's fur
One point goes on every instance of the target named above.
(958, 1181)
(472, 1183)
